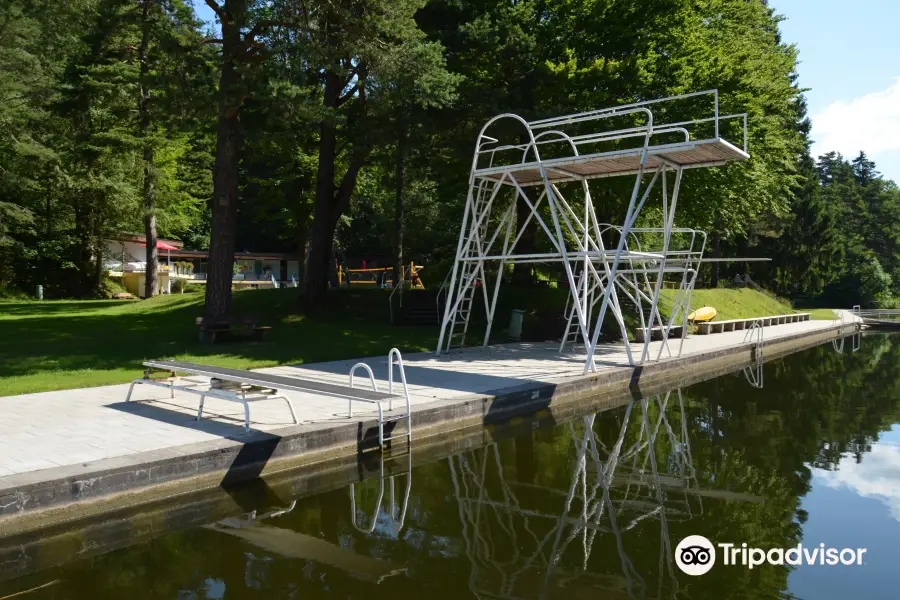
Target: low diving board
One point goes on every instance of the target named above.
(251, 386)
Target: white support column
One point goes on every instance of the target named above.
(630, 217)
(506, 249)
(669, 217)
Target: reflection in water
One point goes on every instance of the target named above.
(395, 515)
(754, 335)
(294, 545)
(855, 341)
(511, 537)
(591, 508)
(878, 476)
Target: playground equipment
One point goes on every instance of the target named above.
(618, 267)
(382, 277)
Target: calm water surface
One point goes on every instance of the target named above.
(592, 508)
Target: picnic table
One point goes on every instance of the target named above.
(225, 328)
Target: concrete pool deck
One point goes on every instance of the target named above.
(87, 444)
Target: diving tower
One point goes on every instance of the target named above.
(553, 166)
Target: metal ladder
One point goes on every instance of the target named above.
(572, 335)
(382, 418)
(468, 277)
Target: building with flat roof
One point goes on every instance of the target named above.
(126, 257)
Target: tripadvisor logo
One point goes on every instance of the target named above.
(696, 555)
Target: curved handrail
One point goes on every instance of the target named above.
(371, 379)
(391, 354)
(395, 289)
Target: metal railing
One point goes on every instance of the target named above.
(394, 359)
(394, 290)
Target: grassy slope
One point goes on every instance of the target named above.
(736, 303)
(67, 344)
(744, 303)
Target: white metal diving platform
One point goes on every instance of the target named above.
(623, 267)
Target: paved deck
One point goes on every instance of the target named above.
(83, 426)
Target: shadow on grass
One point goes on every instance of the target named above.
(57, 307)
(354, 324)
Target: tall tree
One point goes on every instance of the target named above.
(372, 58)
(166, 52)
(243, 23)
(148, 192)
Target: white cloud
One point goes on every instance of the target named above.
(877, 476)
(870, 123)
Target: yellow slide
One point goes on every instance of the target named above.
(707, 313)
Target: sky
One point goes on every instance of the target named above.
(850, 61)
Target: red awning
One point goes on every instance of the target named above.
(163, 246)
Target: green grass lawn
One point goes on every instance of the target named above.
(818, 314)
(56, 345)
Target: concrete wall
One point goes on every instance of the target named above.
(134, 283)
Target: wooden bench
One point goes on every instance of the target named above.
(227, 327)
(708, 327)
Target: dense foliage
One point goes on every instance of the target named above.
(308, 127)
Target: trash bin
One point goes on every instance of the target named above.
(39, 292)
(515, 324)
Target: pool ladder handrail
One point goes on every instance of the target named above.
(392, 355)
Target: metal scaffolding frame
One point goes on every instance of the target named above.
(593, 504)
(606, 264)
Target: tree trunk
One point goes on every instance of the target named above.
(98, 265)
(331, 201)
(302, 245)
(84, 245)
(398, 205)
(225, 176)
(322, 239)
(97, 255)
(151, 281)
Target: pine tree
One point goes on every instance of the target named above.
(372, 58)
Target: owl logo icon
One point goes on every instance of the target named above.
(695, 555)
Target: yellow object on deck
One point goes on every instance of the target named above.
(707, 313)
